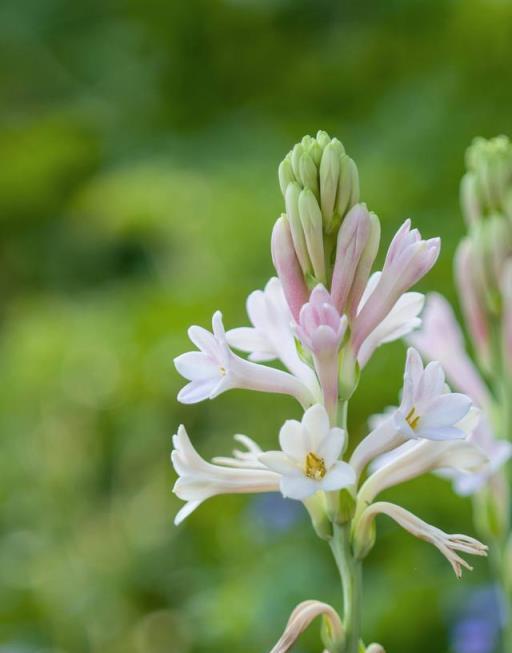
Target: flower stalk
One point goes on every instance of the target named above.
(322, 319)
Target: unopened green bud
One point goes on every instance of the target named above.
(323, 138)
(311, 220)
(348, 185)
(329, 176)
(321, 165)
(296, 153)
(308, 173)
(299, 241)
(286, 175)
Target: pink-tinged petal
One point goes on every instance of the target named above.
(339, 476)
(352, 239)
(446, 410)
(324, 340)
(319, 296)
(291, 439)
(279, 462)
(316, 424)
(197, 391)
(298, 488)
(332, 445)
(399, 241)
(440, 433)
(288, 267)
(195, 365)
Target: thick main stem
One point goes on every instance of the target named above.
(351, 578)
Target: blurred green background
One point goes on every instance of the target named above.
(139, 144)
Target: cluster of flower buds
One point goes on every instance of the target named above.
(322, 319)
(320, 184)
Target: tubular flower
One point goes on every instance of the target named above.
(408, 259)
(427, 409)
(448, 545)
(309, 461)
(271, 335)
(440, 338)
(215, 368)
(199, 480)
(302, 617)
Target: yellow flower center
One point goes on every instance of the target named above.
(314, 467)
(412, 419)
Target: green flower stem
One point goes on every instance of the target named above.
(351, 578)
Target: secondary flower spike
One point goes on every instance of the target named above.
(309, 460)
(408, 259)
(215, 368)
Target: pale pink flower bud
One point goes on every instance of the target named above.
(408, 259)
(364, 267)
(287, 267)
(507, 316)
(352, 239)
(321, 330)
(302, 617)
(472, 297)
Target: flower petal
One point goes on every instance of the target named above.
(194, 365)
(445, 410)
(298, 487)
(279, 462)
(316, 423)
(339, 476)
(291, 439)
(331, 447)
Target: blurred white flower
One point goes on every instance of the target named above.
(309, 460)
